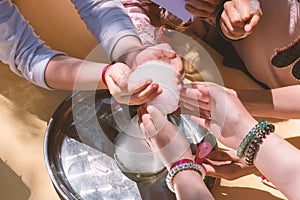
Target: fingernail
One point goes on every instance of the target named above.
(248, 28)
(150, 109)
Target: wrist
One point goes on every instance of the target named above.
(126, 49)
(180, 166)
(186, 176)
(104, 72)
(244, 130)
(262, 126)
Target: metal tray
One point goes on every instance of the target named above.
(79, 151)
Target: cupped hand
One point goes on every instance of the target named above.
(162, 136)
(162, 52)
(116, 78)
(240, 17)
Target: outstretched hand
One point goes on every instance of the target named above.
(229, 120)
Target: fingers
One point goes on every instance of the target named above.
(147, 126)
(202, 8)
(192, 110)
(194, 103)
(195, 96)
(232, 19)
(165, 53)
(152, 120)
(166, 50)
(196, 91)
(158, 118)
(240, 17)
(195, 99)
(225, 164)
(139, 93)
(252, 23)
(224, 156)
(117, 74)
(201, 121)
(229, 171)
(137, 97)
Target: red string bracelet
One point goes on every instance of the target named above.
(104, 71)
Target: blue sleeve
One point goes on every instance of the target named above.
(107, 20)
(20, 47)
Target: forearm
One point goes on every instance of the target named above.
(279, 161)
(277, 103)
(69, 73)
(108, 22)
(20, 47)
(189, 185)
(275, 158)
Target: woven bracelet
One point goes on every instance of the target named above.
(254, 145)
(249, 137)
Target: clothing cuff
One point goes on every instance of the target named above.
(38, 76)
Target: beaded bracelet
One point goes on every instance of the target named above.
(249, 137)
(254, 145)
(179, 162)
(180, 167)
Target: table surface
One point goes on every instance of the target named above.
(25, 110)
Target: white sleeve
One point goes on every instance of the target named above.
(21, 48)
(107, 20)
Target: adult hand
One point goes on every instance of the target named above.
(162, 136)
(229, 120)
(203, 9)
(116, 77)
(226, 164)
(239, 18)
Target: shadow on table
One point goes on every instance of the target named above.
(26, 97)
(294, 141)
(11, 185)
(238, 193)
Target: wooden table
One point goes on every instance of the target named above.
(25, 110)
